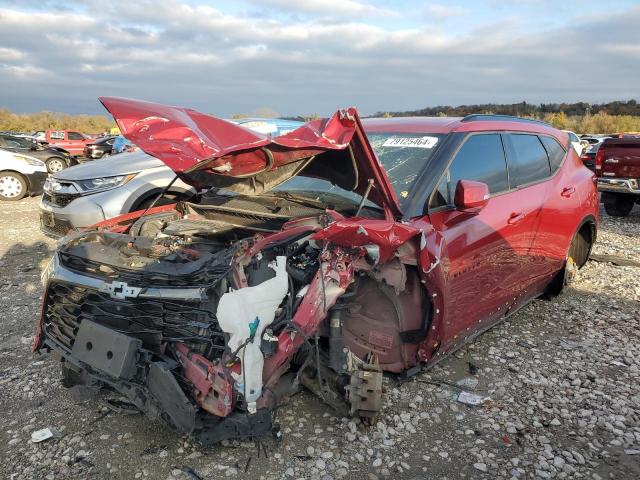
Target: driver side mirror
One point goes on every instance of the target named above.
(471, 196)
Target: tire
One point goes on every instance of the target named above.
(55, 164)
(580, 247)
(13, 186)
(577, 257)
(618, 205)
(105, 155)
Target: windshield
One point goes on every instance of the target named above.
(401, 154)
(17, 142)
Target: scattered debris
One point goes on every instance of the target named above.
(45, 434)
(473, 368)
(468, 382)
(617, 260)
(189, 472)
(469, 398)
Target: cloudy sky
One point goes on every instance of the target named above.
(313, 56)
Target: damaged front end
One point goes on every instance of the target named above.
(204, 315)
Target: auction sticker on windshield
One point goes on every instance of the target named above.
(412, 142)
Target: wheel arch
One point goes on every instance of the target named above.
(590, 225)
(154, 192)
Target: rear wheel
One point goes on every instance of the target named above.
(577, 257)
(12, 186)
(55, 164)
(618, 205)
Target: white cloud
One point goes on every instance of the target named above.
(184, 53)
(10, 54)
(329, 8)
(444, 12)
(24, 72)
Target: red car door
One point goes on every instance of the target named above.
(476, 255)
(76, 142)
(529, 172)
(559, 222)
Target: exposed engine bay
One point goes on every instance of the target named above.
(203, 315)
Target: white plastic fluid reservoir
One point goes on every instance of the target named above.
(244, 314)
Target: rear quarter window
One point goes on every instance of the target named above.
(555, 151)
(527, 158)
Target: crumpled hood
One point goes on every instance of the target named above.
(206, 151)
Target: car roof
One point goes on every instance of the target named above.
(470, 123)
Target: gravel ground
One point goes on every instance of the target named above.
(562, 379)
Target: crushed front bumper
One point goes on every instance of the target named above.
(82, 322)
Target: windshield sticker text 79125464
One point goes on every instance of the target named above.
(411, 142)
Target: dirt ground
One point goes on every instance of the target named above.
(562, 379)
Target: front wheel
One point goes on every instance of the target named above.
(55, 164)
(12, 186)
(618, 205)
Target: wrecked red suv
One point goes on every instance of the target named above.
(323, 258)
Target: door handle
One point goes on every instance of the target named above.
(515, 217)
(567, 191)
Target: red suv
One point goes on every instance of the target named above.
(336, 252)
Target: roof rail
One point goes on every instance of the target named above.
(475, 117)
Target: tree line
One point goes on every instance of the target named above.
(580, 117)
(524, 109)
(31, 122)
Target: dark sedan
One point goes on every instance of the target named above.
(54, 158)
(100, 148)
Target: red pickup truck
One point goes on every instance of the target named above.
(617, 166)
(72, 141)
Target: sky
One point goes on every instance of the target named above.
(314, 56)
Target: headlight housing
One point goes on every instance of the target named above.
(103, 183)
(30, 160)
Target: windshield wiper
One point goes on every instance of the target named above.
(298, 198)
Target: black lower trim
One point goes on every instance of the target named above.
(35, 182)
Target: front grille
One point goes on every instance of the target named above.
(60, 200)
(53, 225)
(155, 322)
(208, 275)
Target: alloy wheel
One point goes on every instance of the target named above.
(55, 165)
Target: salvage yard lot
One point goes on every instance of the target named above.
(562, 379)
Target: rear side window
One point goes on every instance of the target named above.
(75, 136)
(481, 158)
(57, 135)
(528, 161)
(555, 151)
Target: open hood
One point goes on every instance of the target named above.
(206, 151)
